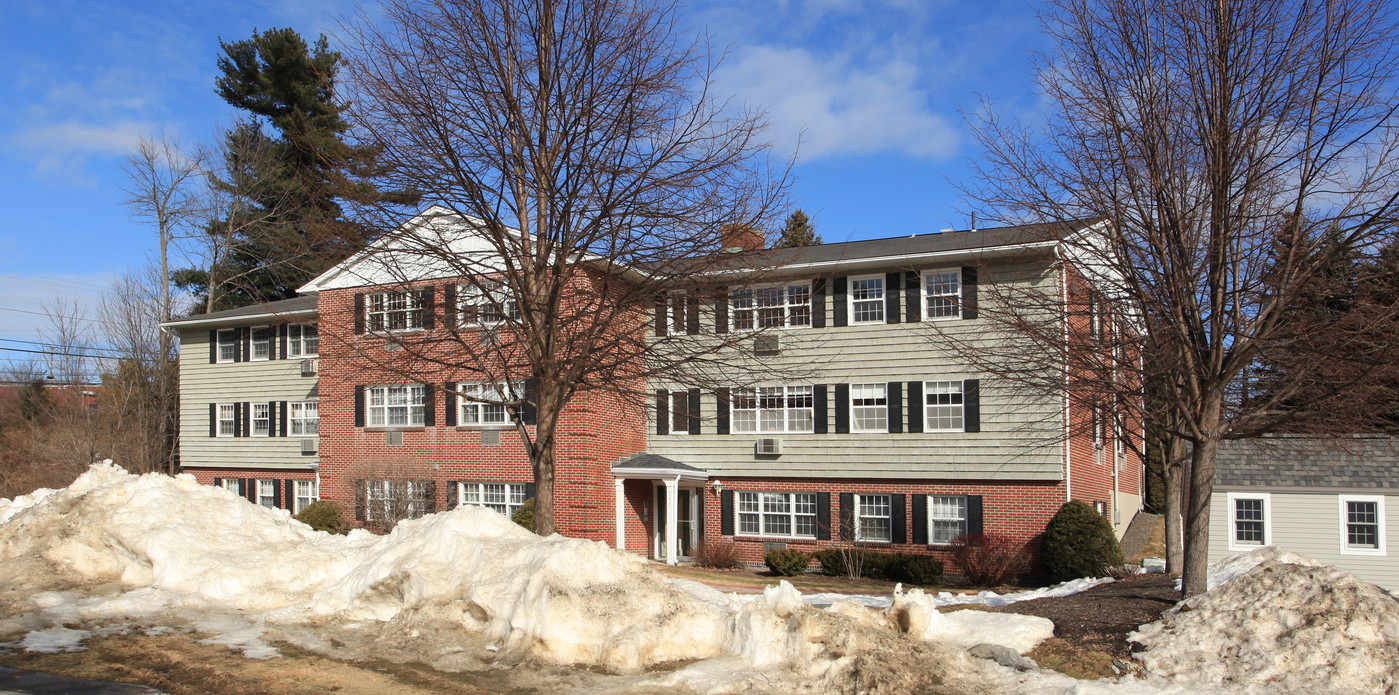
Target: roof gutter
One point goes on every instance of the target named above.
(234, 320)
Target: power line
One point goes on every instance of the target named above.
(123, 352)
(44, 280)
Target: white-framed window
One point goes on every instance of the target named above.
(303, 418)
(394, 500)
(947, 518)
(228, 419)
(395, 406)
(306, 494)
(488, 410)
(228, 345)
(942, 293)
(873, 518)
(231, 484)
(262, 344)
(867, 299)
(772, 409)
(869, 407)
(1362, 524)
(680, 412)
(778, 306)
(778, 514)
(303, 340)
(267, 493)
(262, 420)
(942, 406)
(393, 311)
(486, 302)
(1250, 520)
(505, 498)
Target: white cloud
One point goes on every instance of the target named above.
(65, 146)
(838, 108)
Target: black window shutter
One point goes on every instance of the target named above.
(359, 499)
(838, 306)
(913, 296)
(284, 330)
(693, 398)
(969, 292)
(247, 419)
(429, 406)
(218, 482)
(359, 406)
(974, 525)
(530, 491)
(242, 487)
(252, 490)
(237, 419)
(528, 412)
(726, 513)
(721, 310)
(429, 495)
(920, 519)
(891, 297)
(449, 311)
(820, 407)
(971, 405)
(915, 406)
(818, 303)
(238, 345)
(823, 516)
(213, 346)
(453, 493)
(660, 315)
(213, 419)
(662, 411)
(895, 398)
(359, 314)
(847, 516)
(282, 411)
(692, 313)
(427, 306)
(276, 494)
(272, 428)
(899, 529)
(291, 495)
(247, 340)
(449, 403)
(721, 419)
(842, 408)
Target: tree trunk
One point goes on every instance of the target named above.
(1197, 528)
(542, 456)
(1173, 477)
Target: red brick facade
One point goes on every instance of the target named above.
(283, 499)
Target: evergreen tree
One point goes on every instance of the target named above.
(798, 232)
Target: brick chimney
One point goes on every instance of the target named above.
(741, 237)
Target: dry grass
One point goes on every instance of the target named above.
(1072, 659)
(1155, 543)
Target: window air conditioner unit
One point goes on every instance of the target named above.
(764, 345)
(769, 446)
(309, 367)
(310, 446)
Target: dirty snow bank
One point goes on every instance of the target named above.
(1282, 623)
(947, 598)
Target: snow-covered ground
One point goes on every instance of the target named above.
(468, 589)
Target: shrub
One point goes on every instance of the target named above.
(908, 568)
(787, 562)
(1078, 542)
(524, 516)
(987, 559)
(720, 555)
(325, 515)
(832, 562)
(848, 562)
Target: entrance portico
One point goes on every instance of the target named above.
(678, 503)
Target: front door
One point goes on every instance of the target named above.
(689, 520)
(685, 521)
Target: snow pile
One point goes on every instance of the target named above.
(947, 598)
(916, 613)
(1283, 624)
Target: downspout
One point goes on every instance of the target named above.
(1064, 299)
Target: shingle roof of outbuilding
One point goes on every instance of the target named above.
(1302, 462)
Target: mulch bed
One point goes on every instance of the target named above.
(1100, 618)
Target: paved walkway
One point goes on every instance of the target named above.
(14, 682)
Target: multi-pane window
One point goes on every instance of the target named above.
(1248, 521)
(303, 340)
(262, 419)
(867, 299)
(262, 344)
(267, 493)
(303, 418)
(788, 514)
(680, 412)
(306, 494)
(486, 302)
(227, 419)
(231, 484)
(869, 408)
(392, 311)
(505, 498)
(480, 405)
(942, 410)
(228, 346)
(1362, 524)
(677, 313)
(772, 409)
(395, 406)
(947, 518)
(873, 520)
(786, 306)
(942, 294)
(393, 500)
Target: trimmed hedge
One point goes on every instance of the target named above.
(787, 562)
(324, 515)
(1078, 542)
(895, 567)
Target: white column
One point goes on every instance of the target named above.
(621, 514)
(672, 519)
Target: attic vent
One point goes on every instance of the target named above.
(765, 345)
(310, 446)
(1101, 508)
(769, 446)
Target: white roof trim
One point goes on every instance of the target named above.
(235, 320)
(658, 474)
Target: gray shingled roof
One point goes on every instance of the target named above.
(282, 306)
(655, 461)
(1287, 461)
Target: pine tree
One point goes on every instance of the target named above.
(798, 232)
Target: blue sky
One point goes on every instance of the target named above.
(876, 86)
